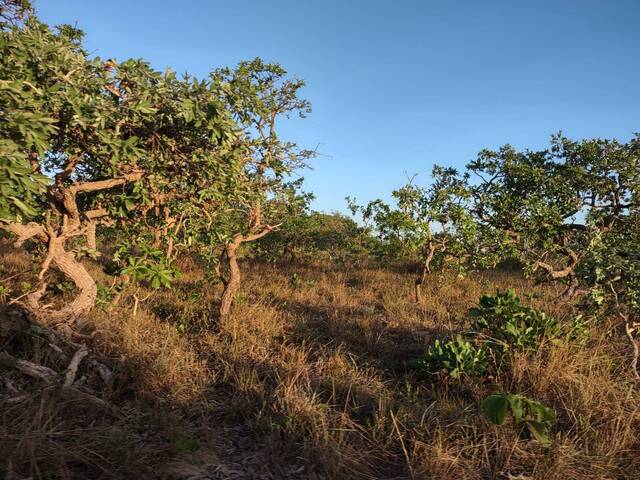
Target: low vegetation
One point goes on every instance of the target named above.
(312, 379)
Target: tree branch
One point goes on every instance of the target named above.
(256, 236)
(104, 184)
(557, 274)
(26, 232)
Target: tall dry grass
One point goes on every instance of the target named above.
(307, 379)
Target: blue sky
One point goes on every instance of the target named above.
(398, 86)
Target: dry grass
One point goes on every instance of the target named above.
(307, 379)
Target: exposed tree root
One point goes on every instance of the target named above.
(68, 388)
(72, 369)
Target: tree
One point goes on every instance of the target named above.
(311, 234)
(258, 95)
(570, 213)
(425, 223)
(553, 203)
(87, 143)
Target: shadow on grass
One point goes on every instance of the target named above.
(362, 331)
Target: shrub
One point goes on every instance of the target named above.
(504, 319)
(457, 357)
(104, 296)
(532, 418)
(150, 266)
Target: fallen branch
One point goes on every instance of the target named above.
(72, 369)
(35, 370)
(51, 377)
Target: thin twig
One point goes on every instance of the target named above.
(629, 330)
(12, 276)
(404, 448)
(136, 301)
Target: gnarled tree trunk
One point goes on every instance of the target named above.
(74, 224)
(229, 262)
(81, 304)
(231, 277)
(426, 269)
(572, 288)
(67, 263)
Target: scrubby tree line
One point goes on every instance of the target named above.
(568, 213)
(159, 164)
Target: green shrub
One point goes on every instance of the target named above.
(502, 324)
(149, 265)
(504, 319)
(105, 295)
(457, 357)
(4, 293)
(532, 418)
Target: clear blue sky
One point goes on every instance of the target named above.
(397, 86)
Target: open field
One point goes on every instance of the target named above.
(308, 379)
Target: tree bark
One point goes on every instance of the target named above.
(232, 278)
(67, 263)
(572, 288)
(229, 261)
(91, 235)
(426, 269)
(74, 223)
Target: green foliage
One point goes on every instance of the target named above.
(501, 324)
(176, 163)
(311, 235)
(570, 213)
(457, 357)
(63, 287)
(532, 418)
(257, 95)
(145, 263)
(613, 270)
(158, 272)
(578, 329)
(503, 318)
(25, 287)
(432, 225)
(103, 297)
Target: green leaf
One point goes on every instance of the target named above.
(517, 408)
(26, 209)
(538, 431)
(495, 408)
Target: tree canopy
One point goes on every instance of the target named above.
(169, 161)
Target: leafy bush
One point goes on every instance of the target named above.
(4, 293)
(159, 273)
(457, 357)
(104, 296)
(513, 325)
(532, 418)
(149, 265)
